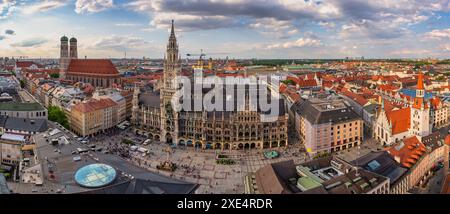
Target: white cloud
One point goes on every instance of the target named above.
(127, 24)
(92, 6)
(411, 52)
(438, 34)
(32, 42)
(280, 29)
(120, 43)
(446, 47)
(6, 8)
(44, 5)
(308, 41)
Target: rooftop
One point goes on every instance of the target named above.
(25, 124)
(13, 137)
(319, 111)
(92, 67)
(15, 106)
(381, 163)
(408, 151)
(94, 105)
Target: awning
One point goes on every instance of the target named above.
(28, 147)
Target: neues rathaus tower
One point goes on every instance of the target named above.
(172, 65)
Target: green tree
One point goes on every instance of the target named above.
(288, 82)
(54, 75)
(22, 83)
(56, 114)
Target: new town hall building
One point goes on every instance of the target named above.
(154, 116)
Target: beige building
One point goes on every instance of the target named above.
(11, 148)
(94, 116)
(326, 126)
(440, 112)
(115, 96)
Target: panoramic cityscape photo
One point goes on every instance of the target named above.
(238, 97)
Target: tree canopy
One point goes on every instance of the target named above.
(56, 114)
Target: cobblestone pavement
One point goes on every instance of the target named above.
(200, 166)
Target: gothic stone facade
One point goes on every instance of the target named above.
(154, 117)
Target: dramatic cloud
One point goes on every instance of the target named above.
(9, 32)
(371, 30)
(92, 6)
(29, 43)
(191, 22)
(45, 5)
(209, 10)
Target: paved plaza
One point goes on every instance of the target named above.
(198, 166)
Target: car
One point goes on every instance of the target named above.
(74, 152)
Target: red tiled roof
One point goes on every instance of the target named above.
(307, 83)
(409, 153)
(435, 102)
(447, 140)
(400, 119)
(92, 67)
(282, 88)
(291, 93)
(356, 97)
(26, 64)
(387, 87)
(94, 105)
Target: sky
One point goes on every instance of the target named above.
(234, 28)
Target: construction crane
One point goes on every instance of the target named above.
(201, 56)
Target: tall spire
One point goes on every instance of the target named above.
(172, 47)
(420, 81)
(172, 31)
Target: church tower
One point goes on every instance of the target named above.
(420, 111)
(73, 48)
(172, 65)
(64, 57)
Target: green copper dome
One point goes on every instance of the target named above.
(64, 39)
